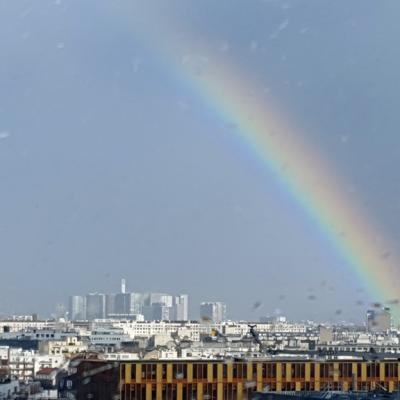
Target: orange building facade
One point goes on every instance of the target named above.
(226, 380)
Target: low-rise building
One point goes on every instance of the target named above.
(47, 377)
(22, 364)
(108, 337)
(23, 325)
(67, 347)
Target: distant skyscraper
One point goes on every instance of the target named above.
(325, 334)
(110, 304)
(378, 320)
(157, 312)
(137, 302)
(161, 306)
(60, 311)
(123, 303)
(77, 308)
(181, 307)
(153, 306)
(95, 306)
(213, 311)
(162, 298)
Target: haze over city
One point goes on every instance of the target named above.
(114, 164)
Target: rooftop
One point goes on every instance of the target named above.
(46, 371)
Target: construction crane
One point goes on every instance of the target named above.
(256, 337)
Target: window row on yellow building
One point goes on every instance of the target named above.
(258, 371)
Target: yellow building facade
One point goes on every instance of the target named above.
(226, 380)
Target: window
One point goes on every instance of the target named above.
(372, 370)
(215, 371)
(133, 371)
(224, 371)
(239, 370)
(345, 370)
(326, 370)
(200, 371)
(391, 370)
(312, 370)
(179, 371)
(298, 370)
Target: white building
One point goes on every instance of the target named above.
(147, 329)
(165, 307)
(77, 308)
(163, 298)
(181, 307)
(66, 347)
(107, 337)
(20, 326)
(22, 364)
(213, 311)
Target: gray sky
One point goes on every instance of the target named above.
(111, 165)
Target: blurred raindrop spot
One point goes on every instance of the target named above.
(4, 134)
(256, 305)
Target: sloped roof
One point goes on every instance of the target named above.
(46, 371)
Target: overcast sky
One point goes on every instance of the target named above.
(111, 165)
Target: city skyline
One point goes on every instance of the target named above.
(183, 357)
(257, 311)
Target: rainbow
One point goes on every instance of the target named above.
(304, 175)
(297, 166)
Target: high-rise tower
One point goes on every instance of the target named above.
(123, 285)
